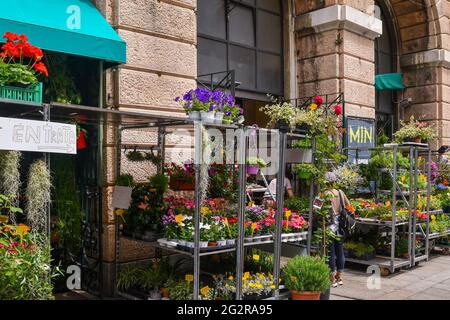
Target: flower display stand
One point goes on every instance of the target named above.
(31, 94)
(181, 185)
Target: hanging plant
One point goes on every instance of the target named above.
(10, 177)
(38, 195)
(138, 156)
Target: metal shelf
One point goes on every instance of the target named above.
(384, 262)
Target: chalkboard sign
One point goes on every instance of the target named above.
(361, 136)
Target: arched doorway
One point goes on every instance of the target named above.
(386, 61)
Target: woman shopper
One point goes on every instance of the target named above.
(336, 248)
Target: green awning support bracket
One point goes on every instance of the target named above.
(66, 26)
(389, 81)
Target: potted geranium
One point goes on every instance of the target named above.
(306, 277)
(20, 65)
(254, 164)
(414, 131)
(181, 177)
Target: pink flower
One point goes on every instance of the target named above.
(338, 109)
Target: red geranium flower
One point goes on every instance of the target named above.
(10, 37)
(41, 68)
(318, 100)
(338, 109)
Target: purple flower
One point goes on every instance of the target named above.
(177, 99)
(188, 96)
(228, 113)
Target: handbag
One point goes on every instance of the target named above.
(347, 221)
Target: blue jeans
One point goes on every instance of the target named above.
(337, 258)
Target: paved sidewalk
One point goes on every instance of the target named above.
(428, 281)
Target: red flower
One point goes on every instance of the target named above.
(338, 109)
(41, 68)
(318, 100)
(10, 37)
(11, 49)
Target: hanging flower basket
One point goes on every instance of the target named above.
(81, 141)
(180, 184)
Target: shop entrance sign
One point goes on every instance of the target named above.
(360, 138)
(37, 136)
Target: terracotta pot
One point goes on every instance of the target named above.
(165, 292)
(418, 140)
(212, 244)
(181, 185)
(305, 295)
(81, 141)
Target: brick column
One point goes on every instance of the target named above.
(335, 51)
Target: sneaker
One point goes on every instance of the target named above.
(338, 278)
(334, 284)
(340, 282)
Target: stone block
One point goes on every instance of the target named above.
(155, 53)
(422, 94)
(109, 243)
(109, 216)
(109, 167)
(426, 111)
(312, 45)
(159, 17)
(357, 69)
(320, 68)
(358, 46)
(358, 93)
(352, 110)
(144, 89)
(318, 87)
(132, 250)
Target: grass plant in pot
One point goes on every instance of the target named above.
(306, 277)
(254, 164)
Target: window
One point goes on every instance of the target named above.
(245, 36)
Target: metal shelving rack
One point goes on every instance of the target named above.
(241, 133)
(414, 229)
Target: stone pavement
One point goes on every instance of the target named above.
(428, 281)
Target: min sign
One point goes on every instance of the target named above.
(37, 136)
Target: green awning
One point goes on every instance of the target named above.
(67, 26)
(389, 81)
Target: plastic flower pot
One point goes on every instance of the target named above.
(253, 170)
(190, 244)
(219, 117)
(283, 126)
(221, 243)
(207, 116)
(304, 295)
(248, 239)
(231, 242)
(81, 141)
(182, 243)
(194, 115)
(203, 244)
(325, 295)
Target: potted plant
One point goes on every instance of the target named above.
(181, 177)
(152, 281)
(20, 65)
(281, 114)
(306, 277)
(414, 131)
(306, 171)
(254, 164)
(304, 148)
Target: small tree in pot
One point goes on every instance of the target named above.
(306, 277)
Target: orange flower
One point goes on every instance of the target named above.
(350, 208)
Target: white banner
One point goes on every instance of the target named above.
(37, 136)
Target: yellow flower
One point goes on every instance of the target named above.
(231, 278)
(433, 217)
(246, 275)
(272, 287)
(251, 204)
(388, 203)
(255, 257)
(287, 214)
(22, 230)
(259, 286)
(120, 212)
(189, 277)
(403, 179)
(251, 285)
(205, 211)
(313, 106)
(204, 291)
(179, 218)
(294, 279)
